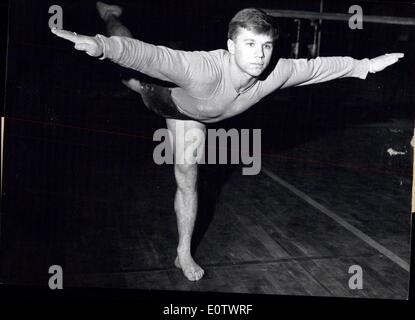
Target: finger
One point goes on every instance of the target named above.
(392, 61)
(389, 61)
(397, 55)
(71, 36)
(81, 46)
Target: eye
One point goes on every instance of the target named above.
(268, 46)
(250, 44)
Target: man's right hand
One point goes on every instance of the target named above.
(91, 45)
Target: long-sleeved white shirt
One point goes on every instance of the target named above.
(205, 91)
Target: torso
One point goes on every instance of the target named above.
(223, 103)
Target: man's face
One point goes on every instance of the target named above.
(251, 51)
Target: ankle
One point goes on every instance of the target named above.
(182, 251)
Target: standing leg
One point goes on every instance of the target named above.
(185, 203)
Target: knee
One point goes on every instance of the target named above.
(186, 176)
(185, 171)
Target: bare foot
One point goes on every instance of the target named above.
(105, 10)
(190, 268)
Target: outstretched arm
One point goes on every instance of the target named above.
(296, 72)
(179, 67)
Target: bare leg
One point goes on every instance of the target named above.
(116, 28)
(133, 84)
(110, 14)
(185, 203)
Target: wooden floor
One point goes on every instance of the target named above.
(97, 205)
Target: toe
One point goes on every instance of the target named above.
(200, 275)
(190, 276)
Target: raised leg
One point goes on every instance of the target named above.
(185, 203)
(110, 14)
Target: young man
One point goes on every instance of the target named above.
(211, 86)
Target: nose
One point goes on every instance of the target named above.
(259, 52)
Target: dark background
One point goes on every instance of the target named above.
(55, 93)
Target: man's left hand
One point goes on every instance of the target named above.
(379, 63)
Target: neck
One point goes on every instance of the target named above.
(240, 80)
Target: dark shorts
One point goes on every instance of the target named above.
(158, 99)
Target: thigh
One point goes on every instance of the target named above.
(187, 138)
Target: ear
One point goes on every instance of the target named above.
(231, 46)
